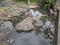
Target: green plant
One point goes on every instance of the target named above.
(48, 3)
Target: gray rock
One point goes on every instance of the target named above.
(35, 14)
(4, 32)
(7, 2)
(7, 24)
(28, 23)
(38, 23)
(51, 11)
(12, 40)
(25, 25)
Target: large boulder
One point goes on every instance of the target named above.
(28, 24)
(25, 25)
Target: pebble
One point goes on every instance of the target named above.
(11, 41)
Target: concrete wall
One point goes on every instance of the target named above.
(58, 6)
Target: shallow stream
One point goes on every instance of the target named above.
(25, 38)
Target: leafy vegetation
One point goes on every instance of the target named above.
(47, 3)
(35, 1)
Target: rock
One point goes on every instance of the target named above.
(39, 16)
(11, 41)
(47, 24)
(33, 13)
(32, 16)
(5, 43)
(15, 10)
(7, 2)
(4, 33)
(3, 13)
(25, 25)
(38, 23)
(7, 24)
(8, 41)
(51, 11)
